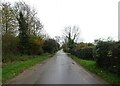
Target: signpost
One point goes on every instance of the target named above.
(119, 20)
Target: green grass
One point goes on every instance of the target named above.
(10, 70)
(91, 66)
(0, 75)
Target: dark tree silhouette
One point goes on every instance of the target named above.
(23, 36)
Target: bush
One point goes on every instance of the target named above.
(35, 45)
(65, 47)
(102, 50)
(9, 46)
(84, 53)
(50, 46)
(108, 55)
(115, 58)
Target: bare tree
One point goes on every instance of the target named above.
(71, 33)
(57, 38)
(33, 24)
(7, 20)
(36, 27)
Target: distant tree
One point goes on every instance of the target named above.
(50, 46)
(71, 34)
(57, 38)
(81, 45)
(90, 44)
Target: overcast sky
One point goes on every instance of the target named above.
(96, 18)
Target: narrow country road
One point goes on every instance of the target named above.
(59, 69)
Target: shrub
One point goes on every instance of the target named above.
(9, 46)
(115, 58)
(65, 48)
(108, 55)
(35, 45)
(50, 46)
(84, 53)
(102, 49)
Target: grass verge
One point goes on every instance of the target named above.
(0, 75)
(91, 66)
(11, 70)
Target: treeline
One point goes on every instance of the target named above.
(23, 33)
(106, 53)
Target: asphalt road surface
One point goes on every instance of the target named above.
(60, 69)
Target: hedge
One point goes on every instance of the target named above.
(84, 53)
(108, 56)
